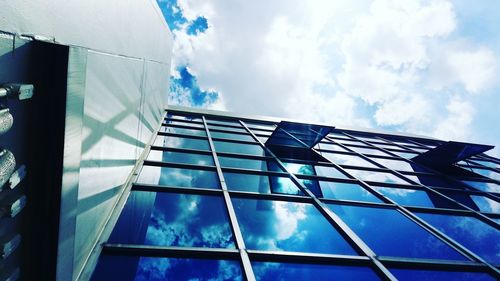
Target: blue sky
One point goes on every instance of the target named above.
(424, 67)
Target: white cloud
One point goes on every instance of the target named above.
(397, 63)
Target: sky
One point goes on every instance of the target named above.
(422, 67)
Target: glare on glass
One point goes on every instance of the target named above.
(346, 191)
(178, 177)
(287, 226)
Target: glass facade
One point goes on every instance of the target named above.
(224, 198)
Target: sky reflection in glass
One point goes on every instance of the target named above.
(177, 142)
(174, 220)
(271, 271)
(287, 226)
(376, 176)
(180, 157)
(434, 275)
(477, 236)
(346, 191)
(405, 239)
(166, 269)
(486, 204)
(241, 148)
(484, 186)
(344, 159)
(251, 164)
(178, 177)
(404, 196)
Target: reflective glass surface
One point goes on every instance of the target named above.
(178, 177)
(486, 204)
(247, 182)
(344, 159)
(287, 226)
(231, 136)
(165, 219)
(330, 172)
(408, 239)
(376, 176)
(271, 271)
(178, 142)
(477, 236)
(185, 131)
(346, 191)
(399, 165)
(368, 150)
(261, 165)
(434, 275)
(163, 269)
(484, 186)
(408, 197)
(284, 185)
(329, 146)
(181, 157)
(303, 169)
(253, 149)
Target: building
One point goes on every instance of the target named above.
(110, 183)
(227, 197)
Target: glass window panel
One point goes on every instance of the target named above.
(376, 176)
(313, 186)
(247, 182)
(267, 271)
(262, 138)
(178, 177)
(404, 196)
(329, 146)
(185, 117)
(181, 157)
(477, 236)
(375, 227)
(486, 204)
(167, 219)
(345, 159)
(260, 125)
(284, 185)
(345, 141)
(287, 226)
(367, 150)
(346, 191)
(177, 142)
(182, 123)
(261, 132)
(175, 130)
(224, 122)
(231, 147)
(303, 169)
(399, 165)
(434, 275)
(230, 129)
(329, 172)
(484, 186)
(253, 164)
(406, 155)
(158, 269)
(231, 136)
(487, 163)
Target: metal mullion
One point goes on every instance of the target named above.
(169, 252)
(254, 172)
(178, 165)
(270, 196)
(446, 211)
(357, 203)
(329, 179)
(234, 141)
(240, 243)
(432, 264)
(175, 189)
(229, 132)
(167, 134)
(302, 257)
(336, 222)
(244, 156)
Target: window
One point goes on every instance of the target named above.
(178, 177)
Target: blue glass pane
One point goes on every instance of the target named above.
(177, 142)
(271, 271)
(390, 233)
(229, 129)
(247, 182)
(486, 204)
(329, 146)
(252, 149)
(287, 226)
(346, 191)
(344, 159)
(295, 168)
(284, 185)
(376, 176)
(244, 163)
(399, 165)
(406, 155)
(434, 275)
(330, 172)
(178, 177)
(180, 157)
(128, 268)
(477, 236)
(165, 219)
(184, 117)
(185, 131)
(484, 186)
(313, 186)
(231, 136)
(409, 197)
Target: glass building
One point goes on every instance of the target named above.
(223, 197)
